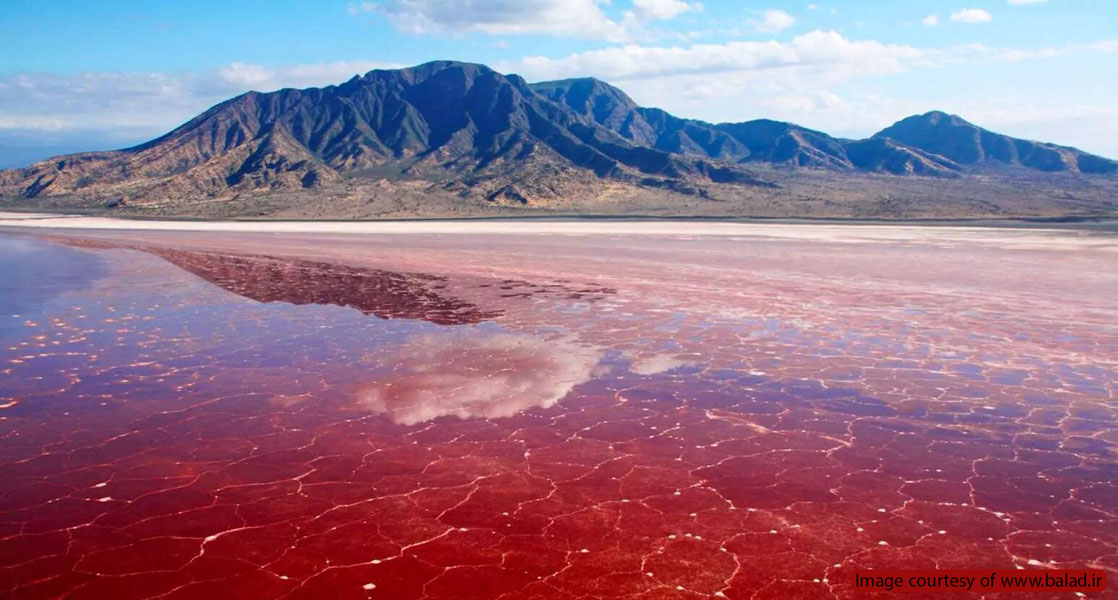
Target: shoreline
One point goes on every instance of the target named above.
(100, 221)
(475, 232)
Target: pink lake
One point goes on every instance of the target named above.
(521, 410)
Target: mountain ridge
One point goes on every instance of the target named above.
(963, 142)
(464, 130)
(794, 145)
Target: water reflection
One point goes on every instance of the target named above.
(386, 294)
(475, 374)
(656, 363)
(32, 272)
(162, 437)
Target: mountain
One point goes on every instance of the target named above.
(887, 156)
(932, 144)
(449, 120)
(964, 143)
(788, 144)
(762, 140)
(453, 138)
(611, 108)
(759, 141)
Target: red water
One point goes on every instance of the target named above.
(209, 416)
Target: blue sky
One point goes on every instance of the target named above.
(93, 75)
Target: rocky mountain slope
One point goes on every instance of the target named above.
(449, 132)
(933, 144)
(967, 144)
(760, 140)
(447, 120)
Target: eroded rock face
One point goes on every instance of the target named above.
(934, 144)
(440, 121)
(955, 139)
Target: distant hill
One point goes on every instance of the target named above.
(449, 130)
(609, 107)
(967, 144)
(933, 144)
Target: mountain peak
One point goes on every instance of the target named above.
(935, 117)
(427, 70)
(585, 94)
(460, 124)
(965, 143)
(464, 129)
(577, 82)
(598, 102)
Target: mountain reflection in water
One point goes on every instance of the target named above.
(385, 294)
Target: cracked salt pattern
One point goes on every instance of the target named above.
(526, 417)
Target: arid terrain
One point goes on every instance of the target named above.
(802, 193)
(452, 139)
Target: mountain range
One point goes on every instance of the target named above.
(445, 136)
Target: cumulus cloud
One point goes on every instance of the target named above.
(475, 375)
(104, 100)
(791, 80)
(773, 21)
(648, 10)
(562, 18)
(971, 16)
(251, 76)
(814, 49)
(129, 107)
(573, 18)
(930, 21)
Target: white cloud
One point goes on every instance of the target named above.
(813, 6)
(572, 18)
(648, 10)
(1024, 2)
(1106, 47)
(971, 16)
(266, 78)
(827, 49)
(1086, 125)
(137, 105)
(930, 21)
(561, 18)
(773, 21)
(735, 81)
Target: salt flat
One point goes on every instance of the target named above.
(840, 232)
